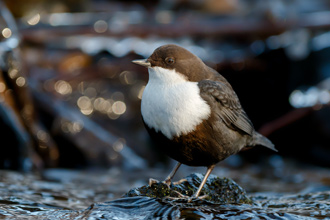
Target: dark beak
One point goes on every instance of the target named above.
(143, 62)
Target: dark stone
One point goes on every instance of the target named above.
(218, 190)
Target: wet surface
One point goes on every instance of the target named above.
(298, 193)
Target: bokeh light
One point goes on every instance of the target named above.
(119, 107)
(85, 105)
(21, 81)
(6, 33)
(2, 87)
(100, 26)
(34, 19)
(63, 87)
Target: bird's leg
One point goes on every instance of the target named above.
(207, 174)
(168, 179)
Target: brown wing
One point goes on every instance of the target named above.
(226, 105)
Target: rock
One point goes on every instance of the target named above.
(218, 190)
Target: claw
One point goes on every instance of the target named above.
(188, 198)
(152, 181)
(168, 182)
(199, 197)
(180, 181)
(179, 196)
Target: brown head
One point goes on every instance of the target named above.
(172, 56)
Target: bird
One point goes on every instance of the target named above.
(192, 113)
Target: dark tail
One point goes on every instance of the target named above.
(259, 139)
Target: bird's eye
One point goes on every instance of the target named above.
(169, 60)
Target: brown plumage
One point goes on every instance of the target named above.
(202, 138)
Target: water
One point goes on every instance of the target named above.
(298, 193)
(308, 206)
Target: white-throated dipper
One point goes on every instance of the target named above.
(192, 113)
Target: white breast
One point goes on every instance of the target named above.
(171, 104)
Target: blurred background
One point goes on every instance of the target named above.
(70, 96)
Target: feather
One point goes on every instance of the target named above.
(227, 106)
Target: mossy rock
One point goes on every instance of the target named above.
(218, 190)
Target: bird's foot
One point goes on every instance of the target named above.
(167, 182)
(189, 199)
(178, 196)
(180, 181)
(153, 181)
